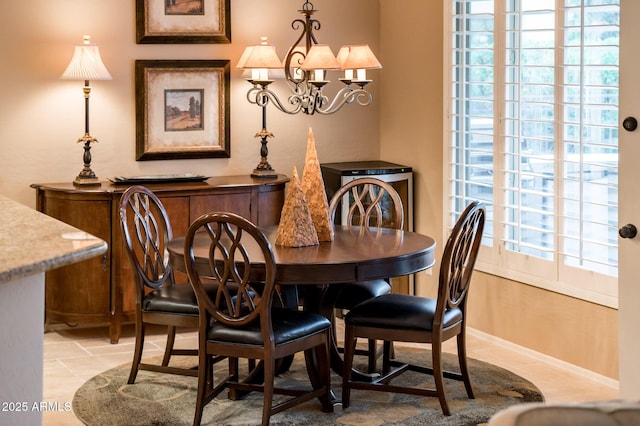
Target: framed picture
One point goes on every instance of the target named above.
(182, 109)
(183, 21)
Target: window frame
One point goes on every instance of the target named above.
(495, 259)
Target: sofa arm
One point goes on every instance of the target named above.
(598, 413)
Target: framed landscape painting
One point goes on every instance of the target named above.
(182, 109)
(183, 21)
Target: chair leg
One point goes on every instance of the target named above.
(436, 351)
(137, 353)
(205, 383)
(234, 376)
(387, 356)
(374, 353)
(269, 374)
(349, 352)
(462, 360)
(321, 354)
(171, 338)
(372, 356)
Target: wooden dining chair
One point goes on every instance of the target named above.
(250, 325)
(159, 299)
(408, 318)
(372, 203)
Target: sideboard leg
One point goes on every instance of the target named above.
(115, 329)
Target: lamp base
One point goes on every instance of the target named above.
(264, 169)
(87, 177)
(86, 181)
(264, 173)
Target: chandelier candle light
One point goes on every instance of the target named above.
(305, 70)
(86, 65)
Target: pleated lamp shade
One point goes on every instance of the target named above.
(86, 64)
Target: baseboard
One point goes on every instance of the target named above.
(583, 372)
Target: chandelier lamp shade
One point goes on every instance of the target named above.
(86, 64)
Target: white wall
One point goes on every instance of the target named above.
(41, 116)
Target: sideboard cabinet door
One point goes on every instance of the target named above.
(80, 292)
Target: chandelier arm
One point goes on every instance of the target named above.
(310, 101)
(289, 70)
(346, 95)
(314, 25)
(262, 95)
(295, 24)
(308, 27)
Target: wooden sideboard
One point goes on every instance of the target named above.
(101, 290)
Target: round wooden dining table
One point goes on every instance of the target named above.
(355, 254)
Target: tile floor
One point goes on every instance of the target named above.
(72, 356)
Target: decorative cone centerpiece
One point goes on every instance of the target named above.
(296, 226)
(314, 192)
(304, 220)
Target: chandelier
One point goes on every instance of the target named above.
(305, 70)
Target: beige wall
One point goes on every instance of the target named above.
(411, 132)
(577, 332)
(43, 116)
(411, 111)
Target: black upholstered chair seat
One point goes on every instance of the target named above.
(288, 325)
(400, 311)
(349, 295)
(179, 299)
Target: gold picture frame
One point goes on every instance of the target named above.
(183, 21)
(182, 109)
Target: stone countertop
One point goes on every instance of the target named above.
(32, 242)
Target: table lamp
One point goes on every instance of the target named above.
(86, 65)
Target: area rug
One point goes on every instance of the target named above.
(162, 399)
